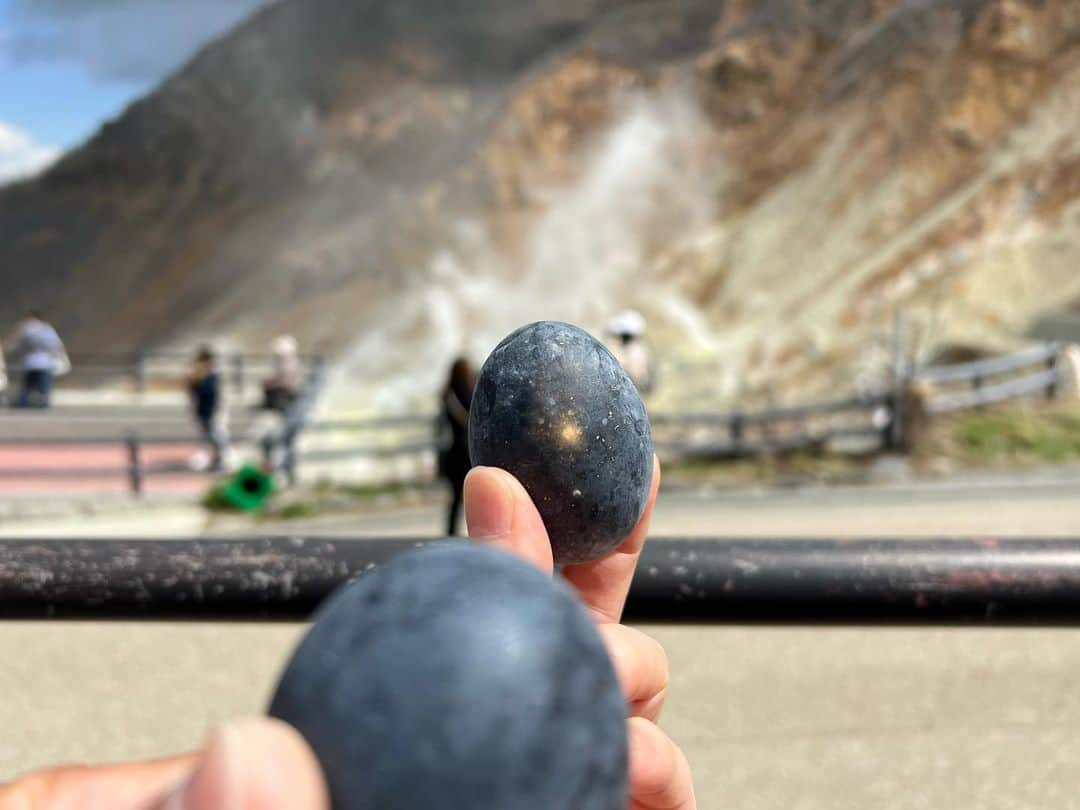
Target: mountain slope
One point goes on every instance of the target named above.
(286, 157)
(769, 180)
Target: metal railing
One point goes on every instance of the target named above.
(777, 581)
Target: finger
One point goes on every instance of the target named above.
(102, 787)
(604, 584)
(499, 512)
(642, 667)
(659, 773)
(259, 764)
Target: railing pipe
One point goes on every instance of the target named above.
(779, 581)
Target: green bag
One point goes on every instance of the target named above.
(248, 489)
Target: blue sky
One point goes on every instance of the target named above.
(67, 66)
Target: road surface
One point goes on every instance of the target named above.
(79, 448)
(772, 718)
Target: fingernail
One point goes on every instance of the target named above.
(209, 784)
(257, 762)
(489, 504)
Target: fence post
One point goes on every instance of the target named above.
(896, 436)
(1052, 366)
(736, 427)
(895, 429)
(135, 470)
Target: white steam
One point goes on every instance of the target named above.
(647, 185)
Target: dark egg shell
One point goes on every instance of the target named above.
(553, 407)
(461, 678)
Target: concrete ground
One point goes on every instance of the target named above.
(771, 717)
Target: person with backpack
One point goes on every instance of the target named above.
(283, 385)
(41, 356)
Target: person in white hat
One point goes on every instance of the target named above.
(42, 357)
(283, 384)
(626, 340)
(275, 430)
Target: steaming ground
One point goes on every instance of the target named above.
(420, 182)
(647, 185)
(788, 298)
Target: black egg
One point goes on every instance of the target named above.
(554, 407)
(461, 678)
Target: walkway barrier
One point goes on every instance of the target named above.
(147, 370)
(775, 430)
(729, 581)
(1027, 373)
(276, 446)
(866, 424)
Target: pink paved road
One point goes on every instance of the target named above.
(91, 468)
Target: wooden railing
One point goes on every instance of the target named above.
(873, 423)
(1027, 373)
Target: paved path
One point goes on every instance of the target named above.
(772, 718)
(109, 420)
(1044, 508)
(80, 450)
(76, 469)
(78, 447)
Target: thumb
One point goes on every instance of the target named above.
(258, 764)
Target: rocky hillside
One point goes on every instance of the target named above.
(768, 180)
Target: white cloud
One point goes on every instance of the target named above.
(21, 156)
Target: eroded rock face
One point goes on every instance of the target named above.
(554, 407)
(459, 677)
(315, 167)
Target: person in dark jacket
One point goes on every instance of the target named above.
(207, 404)
(454, 461)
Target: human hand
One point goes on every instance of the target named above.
(263, 764)
(500, 512)
(258, 764)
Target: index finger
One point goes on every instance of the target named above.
(500, 513)
(604, 584)
(79, 786)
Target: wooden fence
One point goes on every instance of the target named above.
(1027, 373)
(145, 371)
(871, 424)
